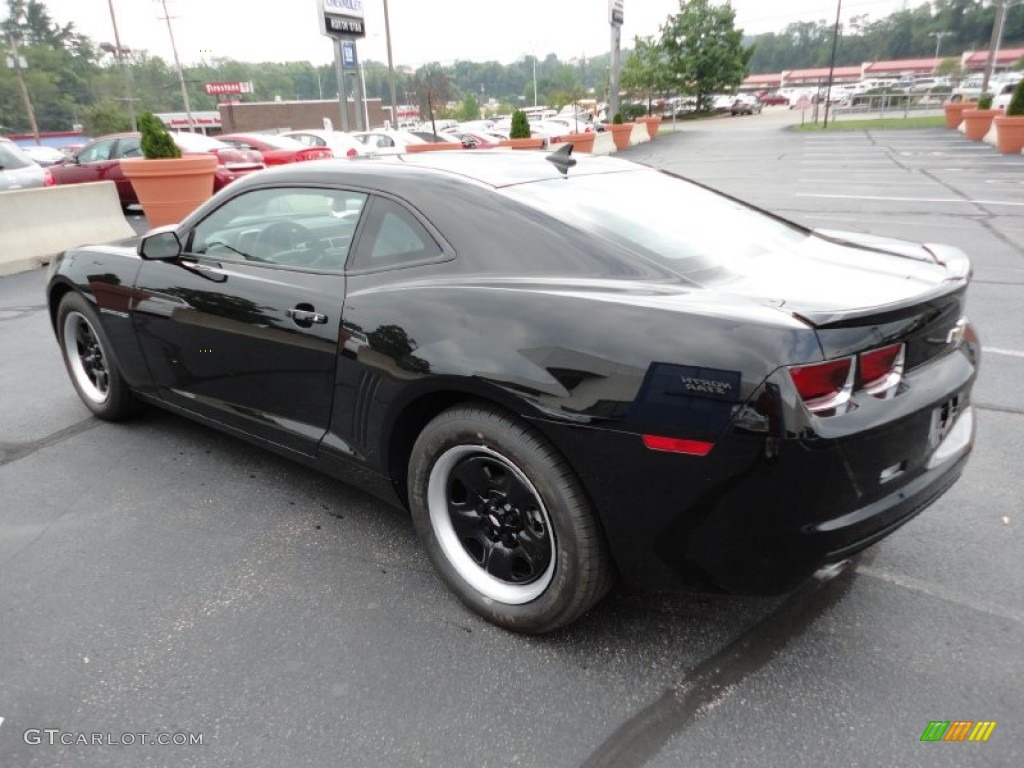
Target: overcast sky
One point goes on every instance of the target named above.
(421, 30)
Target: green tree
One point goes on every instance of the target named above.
(105, 117)
(520, 126)
(644, 72)
(469, 109)
(703, 50)
(950, 68)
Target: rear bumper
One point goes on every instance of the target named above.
(759, 514)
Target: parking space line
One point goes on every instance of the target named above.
(910, 199)
(1001, 351)
(940, 592)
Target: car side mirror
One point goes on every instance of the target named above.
(160, 244)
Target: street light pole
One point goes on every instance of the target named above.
(181, 73)
(938, 40)
(124, 70)
(391, 66)
(535, 79)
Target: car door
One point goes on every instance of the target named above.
(126, 147)
(92, 163)
(242, 327)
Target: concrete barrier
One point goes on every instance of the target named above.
(639, 134)
(992, 137)
(604, 144)
(36, 224)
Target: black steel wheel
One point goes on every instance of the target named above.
(90, 363)
(505, 521)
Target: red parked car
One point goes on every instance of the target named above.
(773, 98)
(277, 150)
(100, 160)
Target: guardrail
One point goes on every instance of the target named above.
(36, 224)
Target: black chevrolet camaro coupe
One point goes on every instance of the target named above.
(564, 373)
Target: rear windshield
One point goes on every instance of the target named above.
(688, 229)
(12, 156)
(197, 142)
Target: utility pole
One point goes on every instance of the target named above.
(24, 89)
(832, 63)
(993, 46)
(181, 73)
(391, 67)
(124, 70)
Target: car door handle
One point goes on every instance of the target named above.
(306, 316)
(207, 271)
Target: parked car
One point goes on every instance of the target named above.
(45, 156)
(1004, 93)
(100, 160)
(18, 170)
(745, 104)
(384, 142)
(277, 150)
(340, 143)
(774, 98)
(473, 139)
(564, 372)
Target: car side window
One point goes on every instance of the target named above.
(310, 140)
(129, 147)
(303, 227)
(96, 152)
(393, 237)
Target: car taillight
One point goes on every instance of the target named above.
(48, 180)
(351, 152)
(882, 369)
(824, 386)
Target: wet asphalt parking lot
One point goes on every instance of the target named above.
(157, 577)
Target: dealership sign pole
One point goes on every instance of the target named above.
(342, 21)
(615, 19)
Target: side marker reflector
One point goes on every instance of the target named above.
(675, 445)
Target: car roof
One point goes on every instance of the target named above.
(495, 168)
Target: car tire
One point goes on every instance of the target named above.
(505, 521)
(88, 357)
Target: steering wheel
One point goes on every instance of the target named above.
(283, 235)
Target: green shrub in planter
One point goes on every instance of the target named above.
(617, 119)
(985, 101)
(157, 142)
(520, 126)
(1016, 106)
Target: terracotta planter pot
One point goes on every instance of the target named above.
(652, 123)
(1009, 134)
(977, 122)
(955, 112)
(169, 190)
(434, 146)
(522, 143)
(581, 142)
(620, 134)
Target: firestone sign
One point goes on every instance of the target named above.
(218, 89)
(341, 19)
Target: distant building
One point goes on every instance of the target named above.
(970, 61)
(296, 115)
